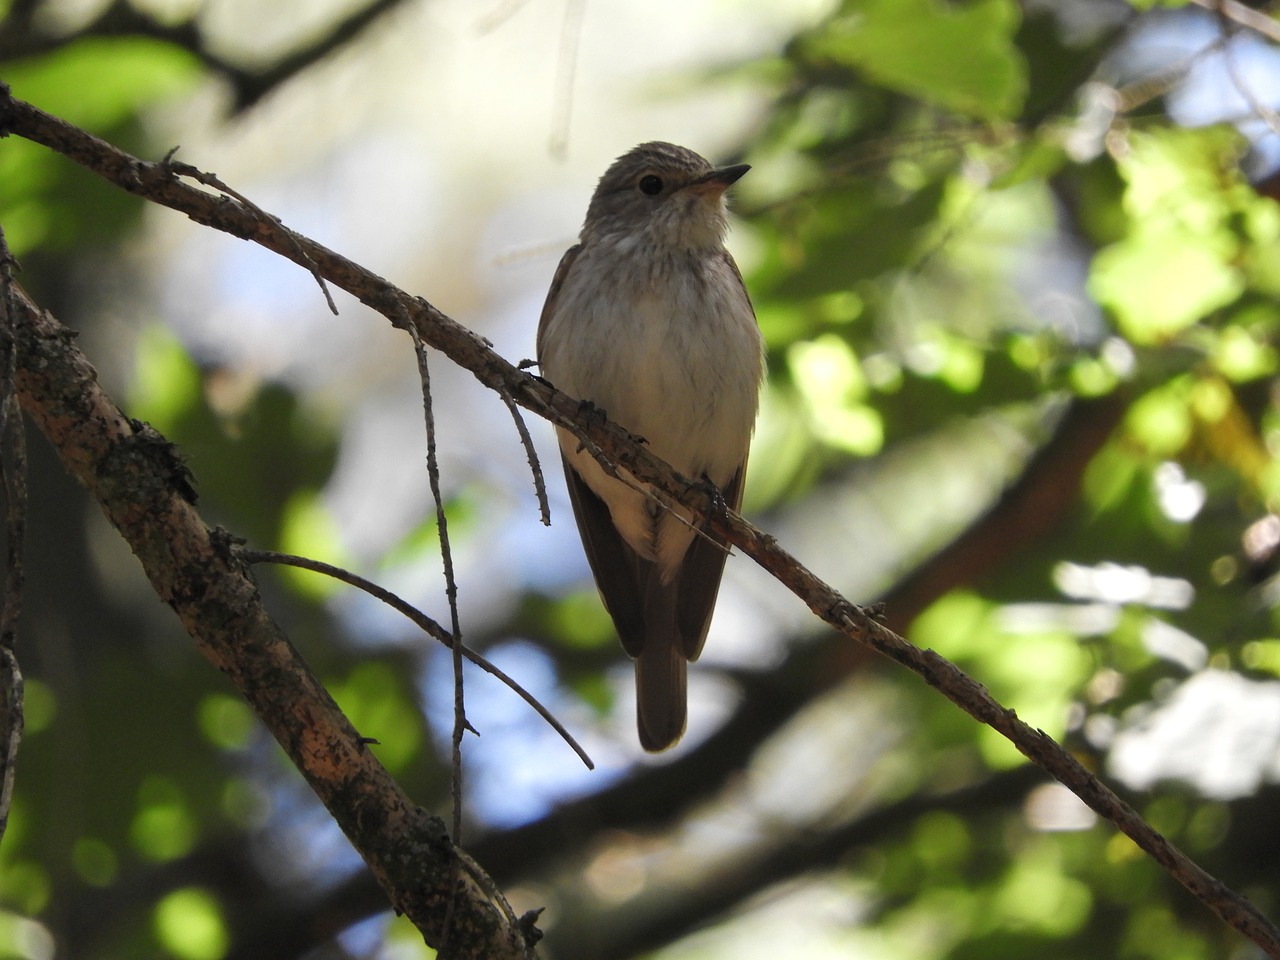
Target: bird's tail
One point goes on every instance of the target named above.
(660, 691)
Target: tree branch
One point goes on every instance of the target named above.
(20, 38)
(616, 451)
(141, 485)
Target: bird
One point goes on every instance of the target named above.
(648, 320)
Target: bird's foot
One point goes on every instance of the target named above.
(528, 365)
(589, 411)
(716, 506)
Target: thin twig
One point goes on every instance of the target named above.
(12, 719)
(646, 490)
(1158, 83)
(498, 15)
(460, 724)
(13, 456)
(535, 465)
(424, 623)
(211, 180)
(18, 38)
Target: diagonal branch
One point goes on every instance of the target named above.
(618, 451)
(141, 486)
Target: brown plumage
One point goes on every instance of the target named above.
(648, 319)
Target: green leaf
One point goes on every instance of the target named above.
(101, 82)
(164, 826)
(580, 621)
(853, 234)
(827, 373)
(1185, 200)
(375, 698)
(958, 56)
(190, 925)
(1158, 284)
(1160, 420)
(166, 382)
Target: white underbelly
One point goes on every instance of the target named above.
(682, 372)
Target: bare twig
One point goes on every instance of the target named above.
(498, 15)
(12, 712)
(424, 623)
(471, 352)
(460, 724)
(252, 87)
(535, 465)
(13, 454)
(211, 180)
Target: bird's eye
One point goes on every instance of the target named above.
(650, 185)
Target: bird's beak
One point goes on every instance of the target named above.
(717, 181)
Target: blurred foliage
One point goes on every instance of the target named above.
(965, 215)
(104, 85)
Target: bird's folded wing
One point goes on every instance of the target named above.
(621, 574)
(700, 576)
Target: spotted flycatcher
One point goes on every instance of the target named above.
(648, 319)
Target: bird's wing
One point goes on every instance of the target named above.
(704, 563)
(621, 574)
(557, 282)
(700, 575)
(727, 257)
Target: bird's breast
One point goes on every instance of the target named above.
(668, 348)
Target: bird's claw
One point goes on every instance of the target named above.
(716, 506)
(589, 411)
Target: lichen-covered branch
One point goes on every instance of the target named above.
(143, 488)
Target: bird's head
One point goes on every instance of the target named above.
(662, 193)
